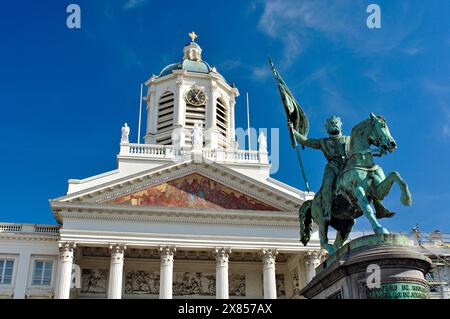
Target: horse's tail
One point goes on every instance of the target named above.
(305, 218)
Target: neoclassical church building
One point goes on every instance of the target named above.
(186, 214)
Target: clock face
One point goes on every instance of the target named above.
(196, 97)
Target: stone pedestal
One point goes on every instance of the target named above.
(372, 267)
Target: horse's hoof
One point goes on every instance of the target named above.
(406, 199)
(381, 230)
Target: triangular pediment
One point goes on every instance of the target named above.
(192, 191)
(184, 186)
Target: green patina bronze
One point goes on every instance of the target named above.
(398, 290)
(352, 180)
(365, 242)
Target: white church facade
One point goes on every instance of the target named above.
(186, 214)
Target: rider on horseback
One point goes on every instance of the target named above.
(335, 149)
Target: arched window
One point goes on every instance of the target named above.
(222, 121)
(165, 118)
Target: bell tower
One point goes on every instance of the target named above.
(191, 94)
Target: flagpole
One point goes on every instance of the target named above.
(140, 116)
(299, 157)
(248, 124)
(284, 90)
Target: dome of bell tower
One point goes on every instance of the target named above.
(192, 60)
(191, 94)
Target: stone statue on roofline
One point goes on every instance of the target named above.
(197, 137)
(125, 134)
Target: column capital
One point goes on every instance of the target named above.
(166, 254)
(268, 256)
(222, 255)
(117, 252)
(313, 257)
(66, 250)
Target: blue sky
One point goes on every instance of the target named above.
(65, 93)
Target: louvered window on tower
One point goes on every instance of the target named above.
(194, 114)
(222, 121)
(165, 118)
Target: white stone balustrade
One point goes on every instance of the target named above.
(147, 150)
(29, 229)
(154, 151)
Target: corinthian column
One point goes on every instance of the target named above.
(166, 273)
(222, 255)
(116, 271)
(312, 261)
(270, 286)
(65, 270)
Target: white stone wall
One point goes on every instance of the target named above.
(25, 252)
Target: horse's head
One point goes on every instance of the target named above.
(380, 135)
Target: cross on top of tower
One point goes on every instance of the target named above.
(193, 36)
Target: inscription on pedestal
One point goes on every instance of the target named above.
(398, 290)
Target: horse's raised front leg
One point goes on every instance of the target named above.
(385, 186)
(368, 211)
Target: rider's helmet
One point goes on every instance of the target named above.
(334, 126)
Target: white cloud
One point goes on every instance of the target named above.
(260, 72)
(436, 87)
(412, 51)
(291, 22)
(331, 97)
(440, 97)
(384, 80)
(131, 4)
(229, 65)
(446, 125)
(446, 130)
(296, 23)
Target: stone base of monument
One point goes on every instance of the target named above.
(372, 267)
